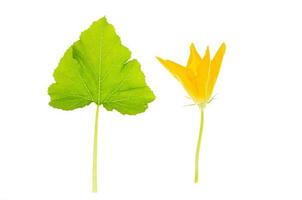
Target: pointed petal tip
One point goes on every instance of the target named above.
(192, 46)
(159, 58)
(208, 49)
(207, 53)
(162, 61)
(223, 46)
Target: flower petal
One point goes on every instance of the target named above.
(202, 76)
(215, 68)
(194, 60)
(181, 74)
(200, 67)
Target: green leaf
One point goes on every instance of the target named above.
(97, 69)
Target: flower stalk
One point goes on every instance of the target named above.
(198, 145)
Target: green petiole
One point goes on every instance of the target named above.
(95, 151)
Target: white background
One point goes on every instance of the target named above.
(252, 142)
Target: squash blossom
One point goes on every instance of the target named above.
(198, 79)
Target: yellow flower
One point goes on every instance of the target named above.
(200, 75)
(198, 79)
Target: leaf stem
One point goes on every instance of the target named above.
(95, 151)
(198, 144)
